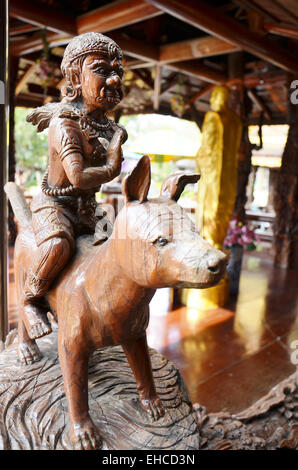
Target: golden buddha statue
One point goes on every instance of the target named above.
(217, 163)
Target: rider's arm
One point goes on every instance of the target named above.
(92, 177)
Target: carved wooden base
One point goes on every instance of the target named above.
(33, 411)
(270, 423)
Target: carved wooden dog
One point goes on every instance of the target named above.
(101, 298)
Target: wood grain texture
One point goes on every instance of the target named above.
(33, 408)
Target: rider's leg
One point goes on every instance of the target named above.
(50, 259)
(28, 351)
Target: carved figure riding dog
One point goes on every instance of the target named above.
(84, 152)
(101, 297)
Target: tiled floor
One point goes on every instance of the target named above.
(232, 356)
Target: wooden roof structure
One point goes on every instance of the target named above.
(170, 47)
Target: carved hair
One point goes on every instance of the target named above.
(75, 54)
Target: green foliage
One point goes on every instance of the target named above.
(159, 172)
(31, 148)
(251, 247)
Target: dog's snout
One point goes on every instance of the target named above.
(217, 264)
(214, 269)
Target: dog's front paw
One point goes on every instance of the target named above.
(85, 435)
(153, 407)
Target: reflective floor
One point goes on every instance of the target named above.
(229, 357)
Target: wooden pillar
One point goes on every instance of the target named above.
(244, 168)
(251, 184)
(239, 102)
(273, 175)
(13, 75)
(3, 167)
(236, 72)
(286, 198)
(157, 87)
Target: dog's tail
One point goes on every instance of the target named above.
(18, 204)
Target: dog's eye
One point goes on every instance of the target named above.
(161, 241)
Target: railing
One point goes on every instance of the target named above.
(263, 221)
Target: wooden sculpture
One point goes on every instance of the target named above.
(100, 297)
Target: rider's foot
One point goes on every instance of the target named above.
(36, 321)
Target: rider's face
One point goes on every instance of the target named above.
(101, 81)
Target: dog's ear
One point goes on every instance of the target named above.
(173, 186)
(136, 185)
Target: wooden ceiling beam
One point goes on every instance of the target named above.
(202, 107)
(171, 80)
(116, 15)
(43, 16)
(58, 86)
(146, 78)
(265, 79)
(135, 64)
(132, 47)
(35, 89)
(194, 49)
(135, 48)
(259, 104)
(282, 29)
(200, 94)
(22, 29)
(209, 19)
(250, 5)
(198, 70)
(24, 79)
(35, 44)
(29, 100)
